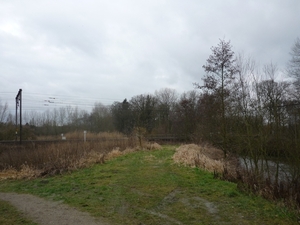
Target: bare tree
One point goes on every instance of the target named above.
(122, 116)
(62, 114)
(3, 112)
(294, 63)
(165, 106)
(220, 71)
(101, 118)
(144, 111)
(185, 116)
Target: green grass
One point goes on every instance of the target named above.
(146, 187)
(9, 215)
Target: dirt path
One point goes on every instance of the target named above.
(46, 212)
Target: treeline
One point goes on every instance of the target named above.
(239, 107)
(152, 114)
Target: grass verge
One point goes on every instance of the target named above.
(9, 215)
(147, 187)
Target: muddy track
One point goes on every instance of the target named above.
(45, 212)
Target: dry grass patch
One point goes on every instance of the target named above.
(90, 158)
(208, 158)
(8, 174)
(113, 154)
(200, 156)
(153, 146)
(26, 172)
(117, 152)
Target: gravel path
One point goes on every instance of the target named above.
(46, 212)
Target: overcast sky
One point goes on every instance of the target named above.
(107, 50)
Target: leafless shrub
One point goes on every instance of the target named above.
(286, 192)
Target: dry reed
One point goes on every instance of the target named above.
(117, 152)
(198, 156)
(113, 154)
(43, 158)
(25, 172)
(48, 158)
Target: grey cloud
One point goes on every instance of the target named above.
(118, 49)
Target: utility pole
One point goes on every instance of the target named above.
(19, 103)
